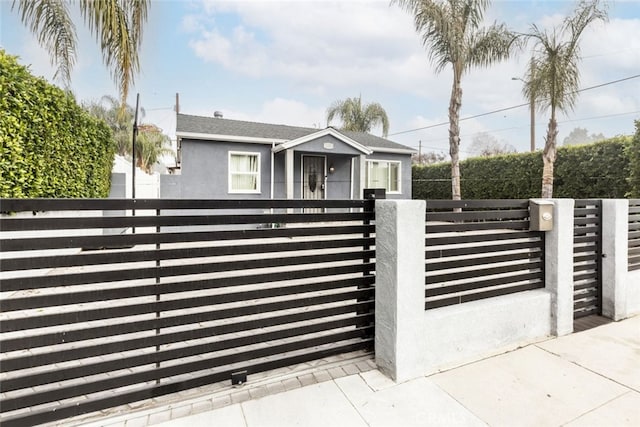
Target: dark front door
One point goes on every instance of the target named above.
(313, 182)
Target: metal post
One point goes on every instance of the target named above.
(133, 149)
(133, 159)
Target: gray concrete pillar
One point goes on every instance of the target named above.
(615, 252)
(559, 266)
(400, 288)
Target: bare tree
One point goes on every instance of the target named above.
(486, 145)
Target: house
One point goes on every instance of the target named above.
(220, 158)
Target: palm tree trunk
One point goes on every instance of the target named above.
(454, 135)
(549, 157)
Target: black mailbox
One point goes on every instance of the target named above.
(375, 193)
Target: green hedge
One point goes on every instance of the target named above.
(597, 170)
(633, 153)
(49, 145)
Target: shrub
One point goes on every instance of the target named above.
(633, 153)
(49, 145)
(597, 170)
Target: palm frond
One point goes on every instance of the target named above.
(50, 23)
(356, 117)
(117, 26)
(490, 45)
(554, 75)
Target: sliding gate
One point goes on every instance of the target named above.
(94, 315)
(587, 258)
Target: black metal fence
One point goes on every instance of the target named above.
(478, 249)
(634, 234)
(93, 316)
(587, 258)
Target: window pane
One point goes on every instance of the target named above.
(243, 172)
(378, 174)
(394, 177)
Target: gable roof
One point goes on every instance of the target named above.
(199, 127)
(318, 134)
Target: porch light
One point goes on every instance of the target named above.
(331, 169)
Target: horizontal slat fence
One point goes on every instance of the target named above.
(587, 258)
(93, 316)
(634, 234)
(478, 249)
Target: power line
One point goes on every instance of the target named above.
(510, 108)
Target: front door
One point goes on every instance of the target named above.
(313, 181)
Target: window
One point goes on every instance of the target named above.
(383, 174)
(244, 172)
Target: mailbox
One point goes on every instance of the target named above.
(374, 193)
(541, 213)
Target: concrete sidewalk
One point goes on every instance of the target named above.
(590, 378)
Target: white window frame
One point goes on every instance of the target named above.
(399, 163)
(230, 172)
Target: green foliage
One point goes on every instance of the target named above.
(597, 170)
(633, 153)
(49, 146)
(357, 117)
(116, 24)
(151, 145)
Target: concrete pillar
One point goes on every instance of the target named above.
(288, 173)
(615, 231)
(400, 288)
(559, 266)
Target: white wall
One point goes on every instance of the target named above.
(147, 185)
(410, 341)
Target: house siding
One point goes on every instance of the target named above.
(205, 169)
(405, 172)
(318, 146)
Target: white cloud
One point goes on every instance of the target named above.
(277, 111)
(319, 43)
(324, 48)
(290, 112)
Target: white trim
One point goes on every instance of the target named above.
(324, 178)
(272, 159)
(258, 179)
(367, 176)
(228, 138)
(289, 167)
(393, 150)
(328, 131)
(352, 174)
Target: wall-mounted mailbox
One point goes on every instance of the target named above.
(374, 193)
(541, 212)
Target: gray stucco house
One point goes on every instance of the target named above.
(223, 159)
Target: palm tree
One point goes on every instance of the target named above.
(119, 117)
(451, 32)
(358, 118)
(116, 24)
(553, 77)
(151, 145)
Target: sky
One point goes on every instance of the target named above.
(286, 62)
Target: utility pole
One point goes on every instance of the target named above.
(532, 107)
(420, 151)
(532, 112)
